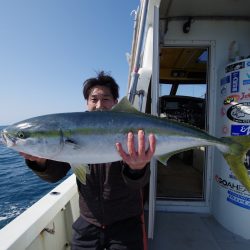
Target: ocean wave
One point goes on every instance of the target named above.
(20, 187)
(9, 212)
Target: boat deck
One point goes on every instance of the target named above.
(187, 231)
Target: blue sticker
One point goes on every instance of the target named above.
(235, 84)
(231, 176)
(245, 82)
(248, 63)
(237, 130)
(225, 80)
(238, 200)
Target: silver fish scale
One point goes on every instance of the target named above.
(90, 137)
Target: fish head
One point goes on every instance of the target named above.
(35, 137)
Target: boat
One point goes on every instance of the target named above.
(189, 61)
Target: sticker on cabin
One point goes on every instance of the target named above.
(238, 200)
(231, 184)
(247, 161)
(246, 82)
(244, 96)
(223, 91)
(237, 130)
(225, 80)
(225, 130)
(235, 83)
(223, 111)
(232, 176)
(235, 66)
(239, 113)
(248, 63)
(232, 99)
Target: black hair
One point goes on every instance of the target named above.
(102, 79)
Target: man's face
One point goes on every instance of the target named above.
(100, 98)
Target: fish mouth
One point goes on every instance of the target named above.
(8, 140)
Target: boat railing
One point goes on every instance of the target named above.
(47, 223)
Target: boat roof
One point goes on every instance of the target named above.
(204, 8)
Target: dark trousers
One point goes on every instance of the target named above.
(123, 235)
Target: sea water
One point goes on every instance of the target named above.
(19, 186)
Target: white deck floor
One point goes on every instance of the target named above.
(187, 231)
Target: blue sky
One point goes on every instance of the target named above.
(49, 47)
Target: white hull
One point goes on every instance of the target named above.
(46, 224)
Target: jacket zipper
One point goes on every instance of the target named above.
(101, 187)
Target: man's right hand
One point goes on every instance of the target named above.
(39, 161)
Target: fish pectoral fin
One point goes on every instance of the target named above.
(163, 158)
(71, 143)
(80, 170)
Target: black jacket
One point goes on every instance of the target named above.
(113, 191)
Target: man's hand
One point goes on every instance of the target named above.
(137, 160)
(39, 161)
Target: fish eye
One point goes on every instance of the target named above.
(21, 134)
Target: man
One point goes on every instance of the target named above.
(111, 205)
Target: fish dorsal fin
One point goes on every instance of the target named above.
(125, 106)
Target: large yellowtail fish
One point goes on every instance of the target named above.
(89, 137)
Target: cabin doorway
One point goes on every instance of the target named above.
(183, 95)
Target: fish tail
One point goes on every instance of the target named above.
(238, 147)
